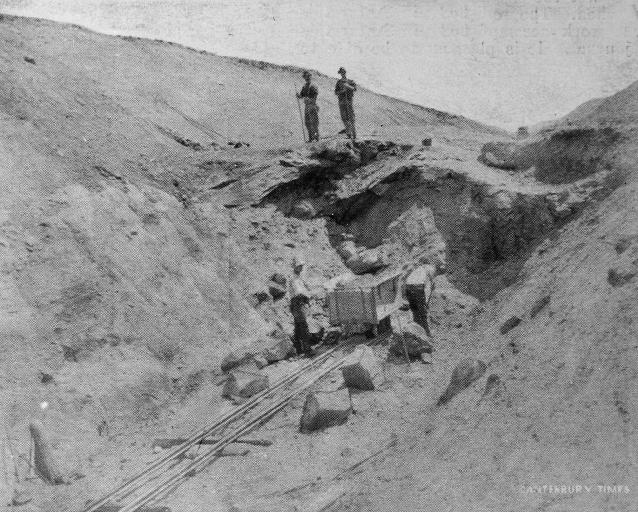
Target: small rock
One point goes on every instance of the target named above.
(46, 378)
(427, 142)
(621, 274)
(539, 305)
(260, 361)
(493, 385)
(509, 324)
(324, 410)
(362, 370)
(347, 249)
(279, 279)
(304, 210)
(21, 497)
(276, 292)
(30, 60)
(426, 358)
(244, 384)
(260, 297)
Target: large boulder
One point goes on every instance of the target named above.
(244, 384)
(362, 370)
(465, 373)
(234, 359)
(368, 260)
(283, 349)
(415, 339)
(415, 231)
(324, 410)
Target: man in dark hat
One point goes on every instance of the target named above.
(345, 93)
(309, 94)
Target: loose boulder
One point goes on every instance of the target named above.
(233, 360)
(368, 260)
(362, 370)
(466, 372)
(283, 349)
(244, 384)
(46, 466)
(324, 410)
(416, 341)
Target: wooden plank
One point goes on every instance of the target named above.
(114, 508)
(175, 441)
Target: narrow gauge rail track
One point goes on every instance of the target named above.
(165, 474)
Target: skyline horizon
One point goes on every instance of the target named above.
(520, 104)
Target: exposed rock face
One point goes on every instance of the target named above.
(561, 156)
(502, 225)
(415, 230)
(466, 372)
(324, 410)
(362, 370)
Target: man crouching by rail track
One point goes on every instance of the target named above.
(299, 301)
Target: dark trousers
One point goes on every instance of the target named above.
(312, 121)
(418, 305)
(346, 109)
(301, 336)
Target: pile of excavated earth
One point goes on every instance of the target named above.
(153, 198)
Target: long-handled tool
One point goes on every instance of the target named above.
(303, 130)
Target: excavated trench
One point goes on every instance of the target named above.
(408, 212)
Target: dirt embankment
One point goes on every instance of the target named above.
(137, 248)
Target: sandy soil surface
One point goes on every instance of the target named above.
(137, 248)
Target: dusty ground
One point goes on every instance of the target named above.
(137, 247)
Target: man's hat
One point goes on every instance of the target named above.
(341, 70)
(306, 73)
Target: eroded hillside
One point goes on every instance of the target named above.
(138, 247)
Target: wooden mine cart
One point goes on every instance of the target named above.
(366, 300)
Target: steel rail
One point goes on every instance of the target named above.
(204, 460)
(196, 438)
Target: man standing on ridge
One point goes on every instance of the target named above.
(309, 94)
(345, 93)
